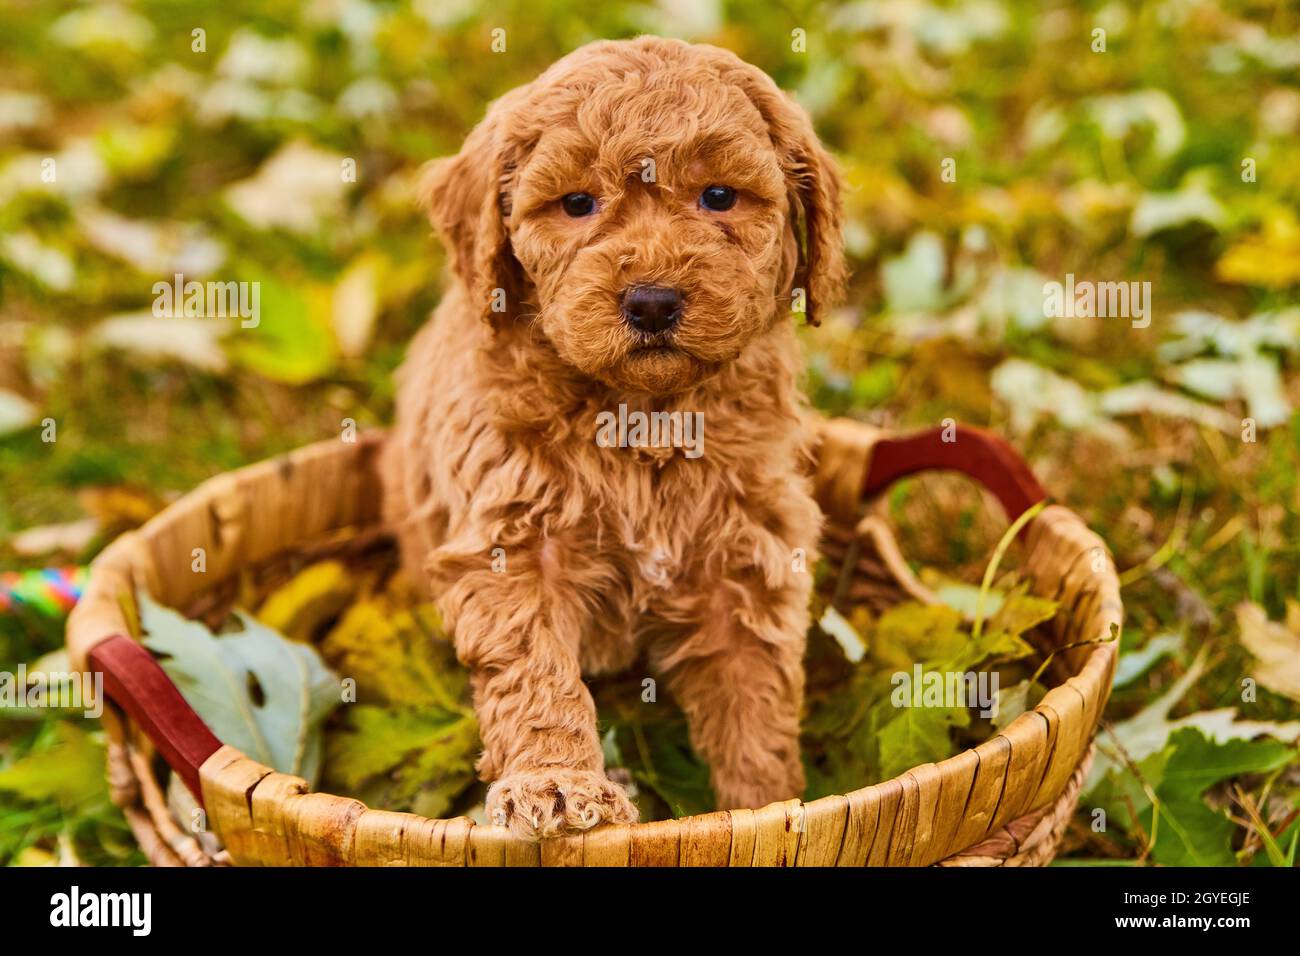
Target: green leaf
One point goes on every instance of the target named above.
(291, 342)
(991, 645)
(1149, 730)
(1191, 833)
(917, 735)
(961, 596)
(259, 692)
(412, 742)
(1122, 796)
(913, 632)
(1021, 612)
(1199, 762)
(403, 758)
(1015, 700)
(661, 759)
(69, 771)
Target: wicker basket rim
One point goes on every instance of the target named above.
(1021, 754)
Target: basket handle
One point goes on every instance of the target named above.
(137, 684)
(974, 452)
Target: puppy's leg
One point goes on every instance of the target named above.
(740, 681)
(518, 632)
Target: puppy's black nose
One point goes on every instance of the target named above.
(652, 308)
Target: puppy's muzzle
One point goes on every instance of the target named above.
(652, 308)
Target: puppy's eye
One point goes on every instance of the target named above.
(718, 198)
(578, 205)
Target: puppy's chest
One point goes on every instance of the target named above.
(672, 527)
(653, 568)
(655, 551)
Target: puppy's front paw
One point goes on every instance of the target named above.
(544, 803)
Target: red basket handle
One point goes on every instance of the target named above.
(137, 684)
(980, 454)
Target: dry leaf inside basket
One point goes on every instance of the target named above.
(856, 732)
(257, 690)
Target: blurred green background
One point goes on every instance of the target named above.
(1164, 148)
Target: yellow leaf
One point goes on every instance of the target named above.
(397, 655)
(35, 856)
(312, 597)
(1271, 260)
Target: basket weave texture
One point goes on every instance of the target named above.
(1005, 802)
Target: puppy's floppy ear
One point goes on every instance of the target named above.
(467, 198)
(814, 190)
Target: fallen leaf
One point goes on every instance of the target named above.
(1275, 646)
(292, 342)
(1149, 730)
(1015, 700)
(1156, 212)
(1032, 393)
(1270, 260)
(1190, 832)
(16, 413)
(917, 735)
(259, 692)
(914, 280)
(355, 306)
(911, 633)
(959, 595)
(412, 740)
(71, 538)
(153, 247)
(296, 189)
(48, 265)
(1148, 398)
(1134, 664)
(403, 758)
(68, 771)
(1118, 114)
(311, 598)
(194, 341)
(1254, 378)
(396, 655)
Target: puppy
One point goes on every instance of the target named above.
(638, 227)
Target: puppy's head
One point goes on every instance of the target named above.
(650, 205)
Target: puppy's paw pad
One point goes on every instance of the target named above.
(545, 803)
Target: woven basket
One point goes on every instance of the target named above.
(1005, 802)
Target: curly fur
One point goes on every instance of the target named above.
(614, 555)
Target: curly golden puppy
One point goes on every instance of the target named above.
(630, 235)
